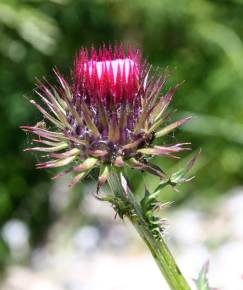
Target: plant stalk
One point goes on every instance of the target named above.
(157, 247)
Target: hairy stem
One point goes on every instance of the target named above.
(157, 247)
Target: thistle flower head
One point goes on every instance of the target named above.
(108, 115)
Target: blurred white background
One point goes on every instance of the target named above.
(110, 255)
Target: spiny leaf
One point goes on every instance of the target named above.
(64, 84)
(179, 177)
(154, 126)
(56, 163)
(47, 115)
(54, 136)
(150, 205)
(103, 115)
(89, 122)
(73, 111)
(71, 152)
(48, 149)
(164, 150)
(133, 144)
(55, 109)
(104, 174)
(143, 117)
(114, 132)
(164, 102)
(78, 178)
(171, 127)
(49, 143)
(54, 98)
(151, 168)
(88, 163)
(202, 280)
(61, 174)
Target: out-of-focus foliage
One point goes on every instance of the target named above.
(200, 40)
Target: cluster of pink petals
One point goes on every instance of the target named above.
(109, 77)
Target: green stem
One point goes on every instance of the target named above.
(158, 248)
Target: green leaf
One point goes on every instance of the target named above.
(202, 280)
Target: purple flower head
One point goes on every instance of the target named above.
(109, 115)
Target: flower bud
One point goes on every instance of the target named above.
(110, 114)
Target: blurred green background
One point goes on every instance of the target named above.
(201, 40)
